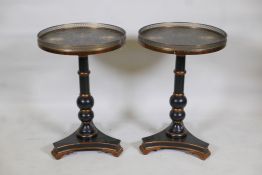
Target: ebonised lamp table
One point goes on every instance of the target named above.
(181, 39)
(83, 39)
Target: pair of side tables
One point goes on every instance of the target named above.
(83, 39)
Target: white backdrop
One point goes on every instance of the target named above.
(131, 87)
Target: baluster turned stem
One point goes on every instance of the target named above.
(85, 101)
(178, 100)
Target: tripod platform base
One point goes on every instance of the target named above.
(100, 142)
(188, 143)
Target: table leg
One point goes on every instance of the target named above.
(176, 136)
(87, 137)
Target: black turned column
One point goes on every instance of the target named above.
(178, 100)
(85, 101)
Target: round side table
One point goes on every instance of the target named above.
(83, 39)
(181, 39)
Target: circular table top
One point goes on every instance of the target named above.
(81, 38)
(182, 38)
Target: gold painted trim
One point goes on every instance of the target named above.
(179, 95)
(87, 135)
(85, 110)
(86, 143)
(115, 152)
(178, 109)
(198, 153)
(144, 143)
(180, 73)
(84, 74)
(85, 95)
